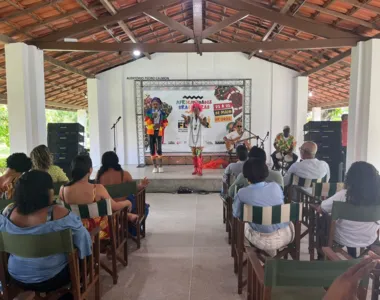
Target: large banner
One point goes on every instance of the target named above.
(222, 106)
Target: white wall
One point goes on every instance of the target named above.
(272, 91)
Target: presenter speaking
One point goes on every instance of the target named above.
(197, 123)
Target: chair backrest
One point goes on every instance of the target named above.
(86, 211)
(350, 212)
(269, 215)
(325, 190)
(122, 190)
(35, 246)
(279, 272)
(303, 182)
(4, 203)
(57, 187)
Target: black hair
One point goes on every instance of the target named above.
(32, 191)
(242, 152)
(363, 184)
(255, 170)
(19, 162)
(110, 160)
(257, 153)
(80, 167)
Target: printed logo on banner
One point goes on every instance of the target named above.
(223, 112)
(186, 104)
(182, 126)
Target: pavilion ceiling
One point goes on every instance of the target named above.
(313, 37)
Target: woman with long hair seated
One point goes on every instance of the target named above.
(80, 191)
(260, 193)
(17, 163)
(112, 173)
(33, 213)
(42, 160)
(362, 188)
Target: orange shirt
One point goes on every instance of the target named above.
(344, 132)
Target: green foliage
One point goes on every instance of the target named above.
(4, 129)
(3, 165)
(60, 116)
(334, 114)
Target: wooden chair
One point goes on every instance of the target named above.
(324, 190)
(350, 212)
(296, 181)
(266, 216)
(296, 280)
(227, 205)
(84, 273)
(123, 190)
(117, 244)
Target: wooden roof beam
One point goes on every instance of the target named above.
(121, 15)
(358, 4)
(198, 23)
(219, 47)
(321, 30)
(225, 23)
(110, 8)
(283, 11)
(159, 17)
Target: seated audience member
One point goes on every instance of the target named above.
(362, 187)
(260, 193)
(112, 173)
(310, 167)
(17, 163)
(273, 176)
(235, 169)
(43, 160)
(80, 191)
(33, 214)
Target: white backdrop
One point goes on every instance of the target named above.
(220, 113)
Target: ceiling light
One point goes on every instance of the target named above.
(310, 94)
(136, 53)
(70, 40)
(260, 51)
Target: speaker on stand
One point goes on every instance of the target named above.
(328, 136)
(65, 141)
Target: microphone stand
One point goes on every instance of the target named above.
(114, 133)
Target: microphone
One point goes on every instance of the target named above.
(118, 119)
(267, 133)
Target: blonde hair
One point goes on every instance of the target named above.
(41, 157)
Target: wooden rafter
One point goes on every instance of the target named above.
(226, 22)
(198, 23)
(219, 47)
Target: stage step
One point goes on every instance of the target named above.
(196, 184)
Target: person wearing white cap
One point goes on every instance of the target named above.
(284, 144)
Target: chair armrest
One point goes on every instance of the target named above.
(140, 203)
(256, 264)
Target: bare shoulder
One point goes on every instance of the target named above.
(59, 212)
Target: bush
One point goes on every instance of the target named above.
(3, 165)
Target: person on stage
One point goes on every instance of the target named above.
(155, 122)
(284, 145)
(237, 137)
(196, 122)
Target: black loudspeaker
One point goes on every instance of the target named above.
(328, 136)
(65, 141)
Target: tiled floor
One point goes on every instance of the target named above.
(184, 256)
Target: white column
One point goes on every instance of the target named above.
(363, 119)
(300, 108)
(316, 114)
(25, 96)
(82, 119)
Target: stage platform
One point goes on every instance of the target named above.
(175, 177)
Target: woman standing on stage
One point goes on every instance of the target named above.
(196, 121)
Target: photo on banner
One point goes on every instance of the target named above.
(222, 105)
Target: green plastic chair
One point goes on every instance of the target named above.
(38, 246)
(268, 215)
(118, 230)
(294, 280)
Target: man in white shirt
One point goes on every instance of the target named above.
(310, 167)
(237, 137)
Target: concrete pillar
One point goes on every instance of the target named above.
(316, 114)
(82, 119)
(98, 119)
(25, 97)
(300, 108)
(364, 106)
